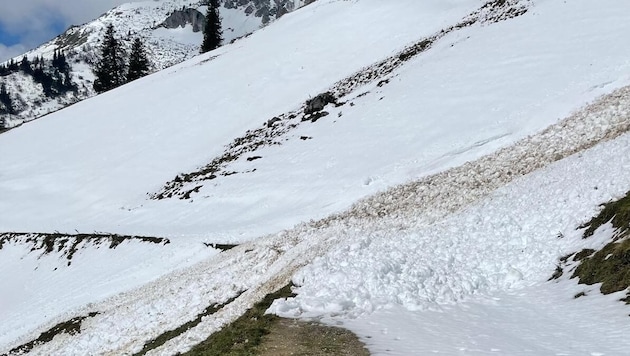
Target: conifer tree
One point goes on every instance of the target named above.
(212, 34)
(110, 68)
(13, 66)
(59, 61)
(5, 99)
(25, 66)
(36, 63)
(138, 61)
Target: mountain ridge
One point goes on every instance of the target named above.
(166, 45)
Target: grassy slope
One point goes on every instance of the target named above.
(609, 266)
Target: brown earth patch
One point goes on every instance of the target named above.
(292, 337)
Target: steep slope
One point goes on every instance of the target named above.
(466, 101)
(442, 111)
(169, 28)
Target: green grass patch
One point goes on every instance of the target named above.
(617, 212)
(609, 266)
(243, 335)
(171, 334)
(587, 252)
(70, 327)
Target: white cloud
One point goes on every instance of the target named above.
(22, 14)
(7, 52)
(34, 21)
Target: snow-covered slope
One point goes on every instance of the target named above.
(167, 43)
(473, 103)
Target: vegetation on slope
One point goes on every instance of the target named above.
(243, 335)
(257, 333)
(68, 244)
(70, 327)
(171, 334)
(609, 266)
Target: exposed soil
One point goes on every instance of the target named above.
(291, 337)
(257, 333)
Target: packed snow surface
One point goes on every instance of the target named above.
(45, 285)
(476, 90)
(468, 245)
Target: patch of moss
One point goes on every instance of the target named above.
(617, 212)
(609, 266)
(171, 334)
(583, 254)
(243, 335)
(70, 327)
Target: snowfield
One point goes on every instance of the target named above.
(426, 212)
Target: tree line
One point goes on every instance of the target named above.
(114, 68)
(53, 75)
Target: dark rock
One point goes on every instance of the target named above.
(319, 102)
(181, 18)
(318, 115)
(273, 121)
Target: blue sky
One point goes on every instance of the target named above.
(25, 24)
(16, 41)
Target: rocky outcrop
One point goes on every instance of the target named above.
(181, 18)
(267, 9)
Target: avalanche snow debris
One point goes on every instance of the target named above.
(371, 262)
(485, 230)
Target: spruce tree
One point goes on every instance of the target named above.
(138, 61)
(110, 68)
(59, 61)
(212, 34)
(5, 99)
(25, 66)
(13, 66)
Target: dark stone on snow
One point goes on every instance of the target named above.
(273, 121)
(318, 115)
(181, 18)
(319, 102)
